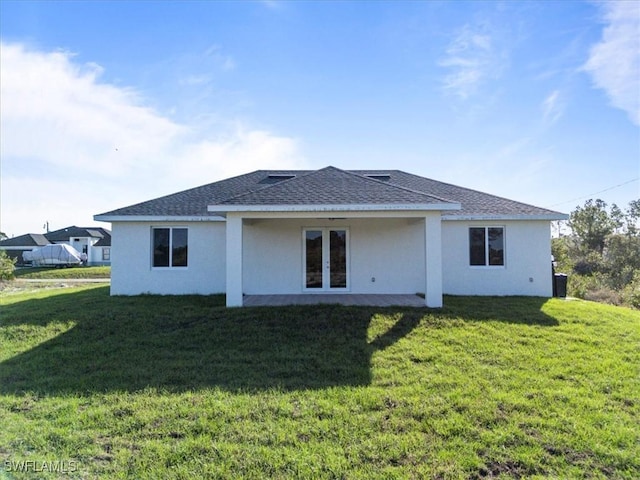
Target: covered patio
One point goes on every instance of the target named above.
(333, 236)
(367, 300)
(399, 251)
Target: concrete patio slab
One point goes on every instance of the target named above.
(334, 298)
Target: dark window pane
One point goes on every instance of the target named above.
(179, 247)
(160, 247)
(338, 258)
(496, 246)
(477, 246)
(313, 241)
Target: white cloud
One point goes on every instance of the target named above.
(57, 112)
(241, 151)
(614, 62)
(73, 146)
(553, 107)
(223, 61)
(514, 149)
(195, 80)
(471, 58)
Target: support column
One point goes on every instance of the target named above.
(234, 260)
(433, 260)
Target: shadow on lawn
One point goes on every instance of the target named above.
(189, 342)
(513, 310)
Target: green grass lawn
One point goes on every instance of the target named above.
(180, 387)
(63, 273)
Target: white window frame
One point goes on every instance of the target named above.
(106, 254)
(170, 266)
(486, 247)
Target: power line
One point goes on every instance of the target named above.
(596, 193)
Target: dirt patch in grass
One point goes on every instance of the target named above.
(8, 287)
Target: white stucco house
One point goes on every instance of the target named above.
(331, 230)
(94, 242)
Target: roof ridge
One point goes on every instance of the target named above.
(266, 187)
(401, 187)
(347, 172)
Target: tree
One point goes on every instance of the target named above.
(632, 217)
(618, 218)
(621, 259)
(591, 225)
(603, 252)
(561, 251)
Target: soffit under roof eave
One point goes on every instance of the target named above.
(497, 217)
(158, 218)
(342, 209)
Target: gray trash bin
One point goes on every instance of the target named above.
(560, 285)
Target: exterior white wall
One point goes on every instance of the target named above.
(81, 244)
(131, 263)
(527, 269)
(391, 251)
(94, 254)
(98, 256)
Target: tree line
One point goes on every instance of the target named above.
(601, 254)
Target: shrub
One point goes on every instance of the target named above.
(631, 293)
(7, 266)
(580, 285)
(604, 295)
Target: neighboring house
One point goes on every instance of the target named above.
(95, 242)
(16, 246)
(331, 230)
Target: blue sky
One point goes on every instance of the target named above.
(104, 104)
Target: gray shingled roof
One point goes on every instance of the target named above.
(328, 186)
(194, 202)
(473, 202)
(63, 234)
(104, 241)
(26, 240)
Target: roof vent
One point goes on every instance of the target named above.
(276, 178)
(380, 176)
(281, 176)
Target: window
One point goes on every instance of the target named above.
(170, 247)
(486, 246)
(106, 254)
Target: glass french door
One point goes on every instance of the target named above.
(326, 259)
